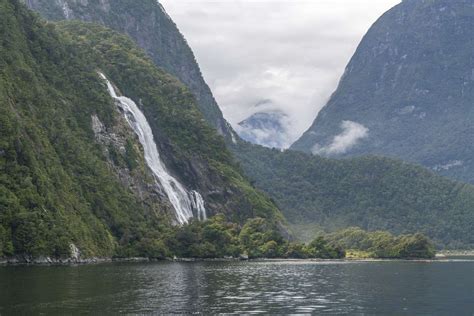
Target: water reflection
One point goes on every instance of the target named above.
(239, 287)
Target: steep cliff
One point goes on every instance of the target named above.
(147, 23)
(375, 193)
(72, 170)
(408, 92)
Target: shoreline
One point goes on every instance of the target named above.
(455, 253)
(47, 261)
(44, 261)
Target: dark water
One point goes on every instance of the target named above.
(394, 288)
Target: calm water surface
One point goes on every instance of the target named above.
(395, 288)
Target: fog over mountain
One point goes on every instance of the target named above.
(408, 90)
(292, 52)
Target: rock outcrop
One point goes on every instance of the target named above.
(148, 24)
(410, 87)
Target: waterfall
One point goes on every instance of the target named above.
(184, 202)
(198, 205)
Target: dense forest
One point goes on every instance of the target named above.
(318, 194)
(380, 244)
(60, 186)
(216, 238)
(258, 238)
(150, 27)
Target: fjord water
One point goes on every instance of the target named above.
(283, 287)
(183, 202)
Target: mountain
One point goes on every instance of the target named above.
(264, 128)
(408, 91)
(319, 194)
(147, 23)
(315, 193)
(101, 152)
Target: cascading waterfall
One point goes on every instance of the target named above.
(198, 204)
(184, 202)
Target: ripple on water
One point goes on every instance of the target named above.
(273, 287)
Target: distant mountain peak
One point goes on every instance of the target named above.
(266, 128)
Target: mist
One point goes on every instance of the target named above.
(289, 53)
(352, 133)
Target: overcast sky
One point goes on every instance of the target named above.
(291, 52)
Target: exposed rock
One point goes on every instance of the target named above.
(42, 260)
(449, 165)
(154, 31)
(140, 180)
(411, 84)
(75, 252)
(244, 256)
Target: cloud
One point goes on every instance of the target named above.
(290, 51)
(352, 134)
(265, 137)
(267, 128)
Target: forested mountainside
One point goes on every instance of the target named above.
(408, 91)
(302, 184)
(73, 171)
(147, 23)
(320, 194)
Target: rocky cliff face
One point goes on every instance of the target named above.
(408, 92)
(373, 193)
(151, 28)
(147, 23)
(73, 172)
(191, 150)
(125, 157)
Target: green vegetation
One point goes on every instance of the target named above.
(57, 186)
(217, 238)
(54, 187)
(414, 93)
(179, 128)
(380, 244)
(317, 194)
(146, 23)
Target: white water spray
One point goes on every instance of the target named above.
(184, 202)
(198, 205)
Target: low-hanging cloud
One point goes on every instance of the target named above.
(265, 137)
(352, 134)
(292, 52)
(267, 128)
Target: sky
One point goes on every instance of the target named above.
(274, 55)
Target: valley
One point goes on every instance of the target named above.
(113, 150)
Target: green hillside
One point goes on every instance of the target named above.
(58, 184)
(316, 194)
(319, 194)
(150, 27)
